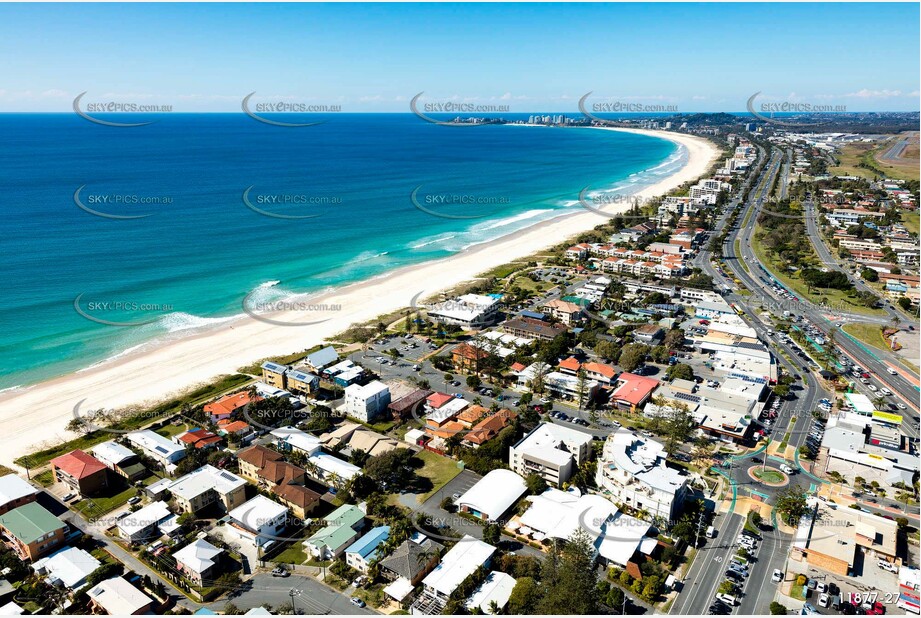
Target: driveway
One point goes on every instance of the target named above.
(311, 597)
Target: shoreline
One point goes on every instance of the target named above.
(145, 376)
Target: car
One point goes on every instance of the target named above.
(356, 602)
(901, 406)
(824, 600)
(777, 576)
(821, 588)
(456, 496)
(811, 584)
(787, 469)
(892, 371)
(872, 388)
(727, 599)
(69, 497)
(134, 499)
(735, 576)
(280, 572)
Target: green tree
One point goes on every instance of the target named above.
(777, 609)
(525, 596)
(536, 484)
(680, 371)
(492, 533)
(632, 356)
(569, 579)
(791, 504)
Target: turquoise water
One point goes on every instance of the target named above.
(200, 250)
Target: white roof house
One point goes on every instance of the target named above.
(559, 514)
(493, 494)
(13, 488)
(497, 587)
(140, 521)
(449, 409)
(259, 520)
(460, 562)
(112, 453)
(328, 466)
(321, 358)
(205, 479)
(156, 446)
(297, 440)
(119, 598)
(11, 609)
(198, 556)
(70, 567)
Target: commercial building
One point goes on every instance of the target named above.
(832, 539)
(467, 311)
(551, 451)
(492, 495)
(631, 391)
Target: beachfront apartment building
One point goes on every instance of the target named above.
(81, 472)
(632, 471)
(208, 486)
(551, 451)
(366, 402)
(467, 311)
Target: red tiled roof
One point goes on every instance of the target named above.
(225, 406)
(258, 455)
(570, 363)
(600, 368)
(489, 427)
(199, 438)
(469, 352)
(78, 464)
(517, 367)
(447, 430)
(233, 426)
(633, 388)
(436, 400)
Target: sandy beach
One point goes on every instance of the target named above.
(36, 416)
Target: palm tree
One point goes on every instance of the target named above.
(879, 401)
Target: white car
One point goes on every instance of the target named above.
(872, 388)
(727, 599)
(892, 371)
(777, 576)
(786, 468)
(824, 600)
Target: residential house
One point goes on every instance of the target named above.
(200, 561)
(322, 358)
(406, 406)
(259, 521)
(68, 567)
(206, 486)
(564, 311)
(158, 448)
(532, 329)
(488, 428)
(303, 382)
(632, 391)
(81, 472)
(228, 405)
(117, 597)
(120, 459)
(199, 439)
(31, 531)
(15, 492)
(461, 561)
(361, 554)
(273, 374)
(240, 430)
(650, 334)
(494, 592)
(408, 564)
(144, 523)
(342, 528)
(300, 499)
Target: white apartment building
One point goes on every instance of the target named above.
(632, 471)
(551, 451)
(467, 311)
(366, 402)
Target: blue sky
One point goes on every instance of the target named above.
(530, 57)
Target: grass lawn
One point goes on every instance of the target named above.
(170, 430)
(528, 284)
(100, 505)
(439, 470)
(45, 479)
(294, 554)
(849, 157)
(870, 334)
(768, 476)
(911, 221)
(836, 299)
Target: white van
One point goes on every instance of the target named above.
(892, 371)
(728, 599)
(711, 532)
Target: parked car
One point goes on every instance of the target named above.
(777, 576)
(357, 602)
(280, 572)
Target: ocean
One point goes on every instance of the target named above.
(121, 237)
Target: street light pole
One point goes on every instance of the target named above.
(294, 592)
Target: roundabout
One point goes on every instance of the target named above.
(772, 477)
